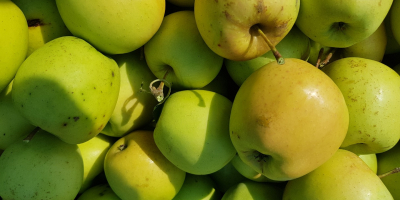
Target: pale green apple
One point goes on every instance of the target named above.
(294, 45)
(134, 108)
(193, 131)
(67, 88)
(288, 119)
(344, 176)
(178, 54)
(248, 172)
(227, 177)
(250, 190)
(13, 126)
(341, 24)
(136, 169)
(93, 154)
(371, 91)
(99, 192)
(113, 27)
(370, 160)
(13, 40)
(388, 161)
(199, 187)
(44, 22)
(394, 20)
(42, 168)
(230, 27)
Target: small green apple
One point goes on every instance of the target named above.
(178, 54)
(44, 21)
(113, 27)
(136, 169)
(67, 88)
(13, 40)
(99, 192)
(193, 131)
(388, 161)
(199, 187)
(370, 160)
(251, 190)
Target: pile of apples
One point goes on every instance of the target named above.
(205, 99)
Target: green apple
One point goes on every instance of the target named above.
(199, 187)
(42, 168)
(93, 153)
(340, 24)
(113, 27)
(13, 126)
(178, 54)
(223, 84)
(315, 49)
(44, 21)
(14, 41)
(251, 190)
(147, 174)
(248, 172)
(294, 45)
(392, 45)
(288, 119)
(193, 131)
(134, 108)
(227, 177)
(99, 192)
(67, 88)
(230, 28)
(344, 176)
(394, 20)
(371, 92)
(388, 161)
(370, 160)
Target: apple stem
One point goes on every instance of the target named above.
(158, 92)
(276, 53)
(393, 171)
(122, 147)
(321, 52)
(31, 134)
(328, 57)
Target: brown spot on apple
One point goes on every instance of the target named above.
(260, 7)
(34, 22)
(264, 121)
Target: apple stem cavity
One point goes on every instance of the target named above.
(158, 92)
(122, 147)
(393, 171)
(276, 53)
(31, 134)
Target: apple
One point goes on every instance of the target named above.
(248, 172)
(134, 108)
(178, 53)
(14, 41)
(251, 190)
(223, 84)
(392, 45)
(343, 176)
(193, 131)
(230, 28)
(388, 161)
(99, 192)
(294, 45)
(13, 126)
(315, 49)
(371, 92)
(370, 160)
(113, 27)
(136, 169)
(198, 187)
(67, 88)
(227, 177)
(44, 21)
(394, 20)
(41, 167)
(288, 119)
(339, 24)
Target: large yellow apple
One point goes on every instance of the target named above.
(136, 169)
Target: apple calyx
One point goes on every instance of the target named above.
(340, 26)
(122, 147)
(320, 64)
(393, 171)
(34, 22)
(276, 53)
(31, 134)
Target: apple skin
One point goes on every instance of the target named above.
(370, 160)
(193, 131)
(67, 88)
(44, 21)
(251, 190)
(294, 45)
(134, 108)
(227, 177)
(113, 27)
(371, 92)
(341, 24)
(14, 41)
(387, 161)
(13, 126)
(343, 176)
(178, 49)
(392, 45)
(248, 172)
(99, 192)
(147, 174)
(394, 20)
(229, 27)
(198, 187)
(273, 122)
